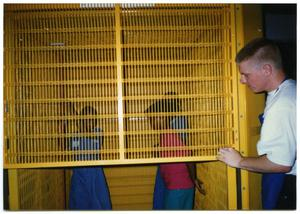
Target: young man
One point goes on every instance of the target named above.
(261, 69)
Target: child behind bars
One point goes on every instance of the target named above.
(178, 177)
(89, 190)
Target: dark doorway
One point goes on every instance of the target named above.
(280, 25)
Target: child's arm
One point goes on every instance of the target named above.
(192, 170)
(193, 175)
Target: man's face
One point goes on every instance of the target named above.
(252, 75)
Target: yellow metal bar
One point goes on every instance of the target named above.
(243, 134)
(119, 79)
(231, 188)
(235, 78)
(232, 182)
(25, 7)
(110, 162)
(10, 141)
(14, 202)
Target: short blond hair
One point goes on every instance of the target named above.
(262, 50)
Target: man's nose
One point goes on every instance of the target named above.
(243, 80)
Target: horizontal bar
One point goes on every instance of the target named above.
(77, 163)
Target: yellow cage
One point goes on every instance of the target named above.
(118, 60)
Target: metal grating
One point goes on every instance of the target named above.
(37, 189)
(118, 61)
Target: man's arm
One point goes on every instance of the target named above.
(256, 164)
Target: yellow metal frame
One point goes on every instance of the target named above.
(238, 105)
(223, 122)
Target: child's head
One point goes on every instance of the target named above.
(161, 122)
(174, 101)
(88, 125)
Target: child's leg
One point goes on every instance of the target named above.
(179, 199)
(189, 199)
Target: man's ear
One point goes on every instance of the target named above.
(267, 69)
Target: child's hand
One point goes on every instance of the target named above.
(200, 186)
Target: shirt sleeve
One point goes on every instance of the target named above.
(278, 139)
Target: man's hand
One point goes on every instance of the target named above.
(230, 156)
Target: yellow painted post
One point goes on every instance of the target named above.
(10, 146)
(13, 186)
(243, 134)
(119, 80)
(231, 172)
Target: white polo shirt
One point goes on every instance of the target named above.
(278, 132)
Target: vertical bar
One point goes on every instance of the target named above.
(243, 126)
(13, 188)
(231, 173)
(119, 79)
